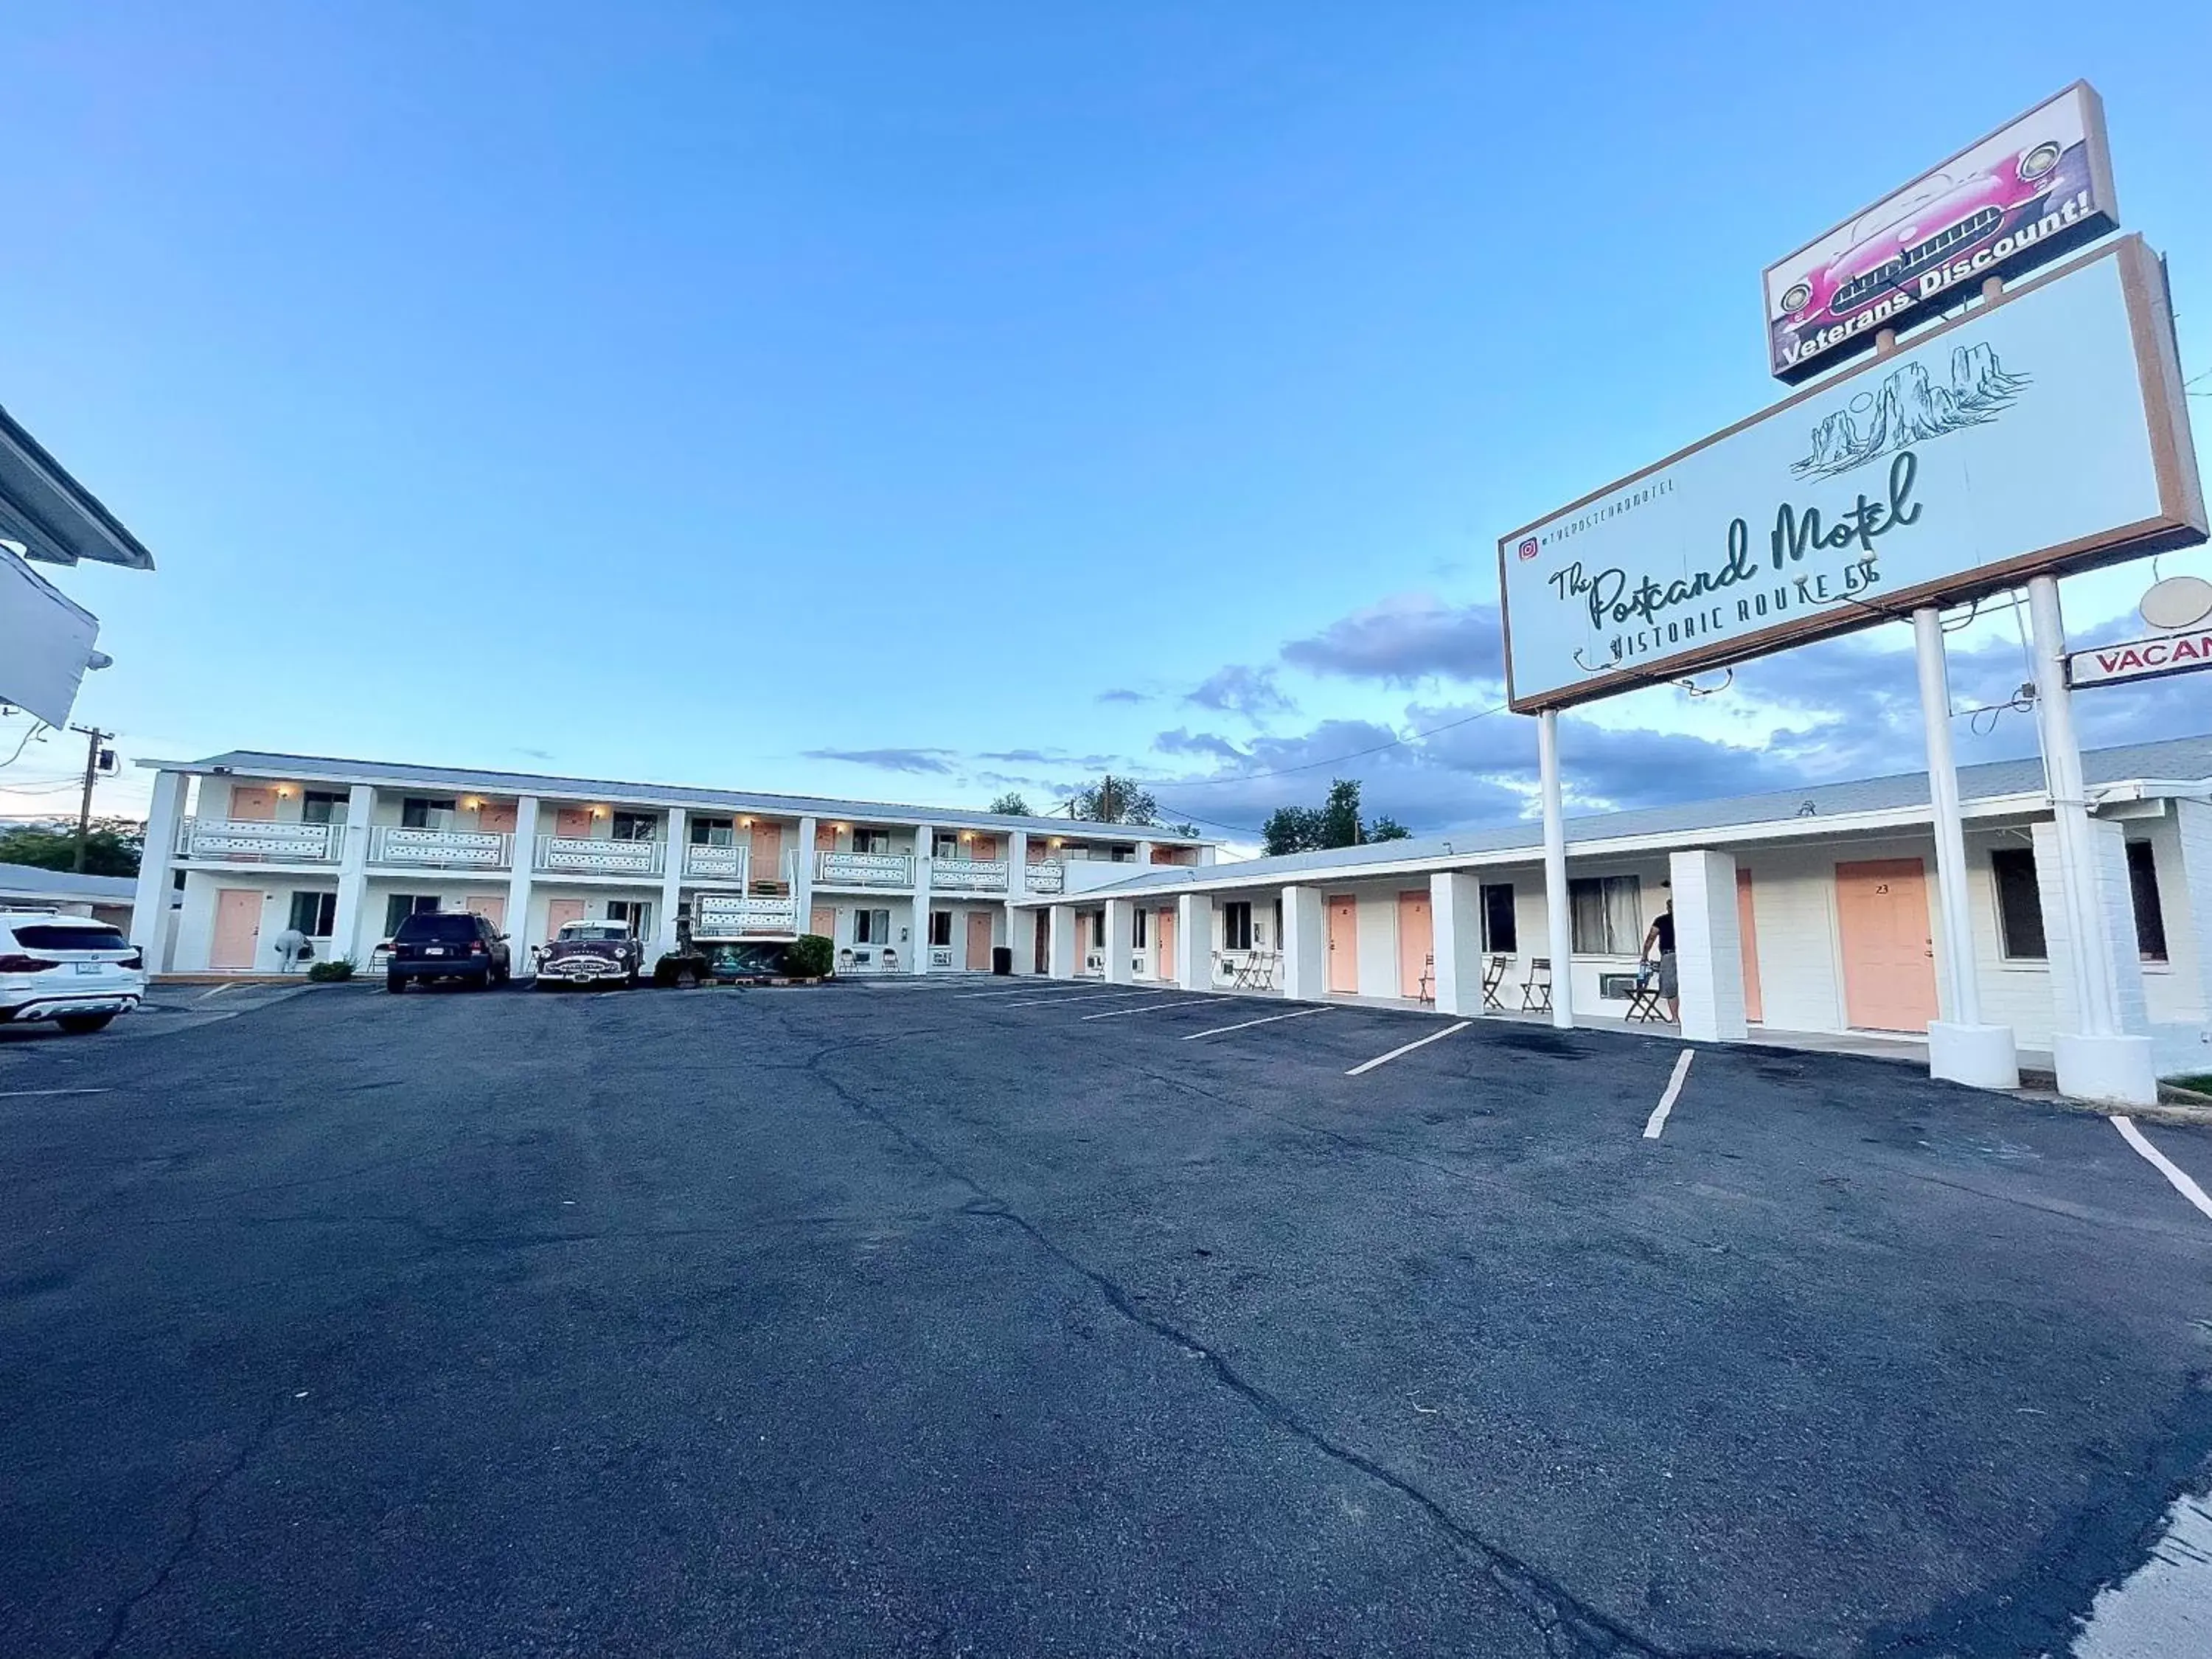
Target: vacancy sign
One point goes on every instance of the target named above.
(2141, 659)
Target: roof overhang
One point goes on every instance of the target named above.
(55, 517)
(1224, 878)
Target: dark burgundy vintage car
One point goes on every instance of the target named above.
(589, 953)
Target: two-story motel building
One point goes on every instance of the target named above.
(1811, 910)
(341, 850)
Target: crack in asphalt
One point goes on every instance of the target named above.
(1570, 1629)
(120, 1626)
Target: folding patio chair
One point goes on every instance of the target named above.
(1493, 980)
(1428, 988)
(1643, 998)
(1536, 994)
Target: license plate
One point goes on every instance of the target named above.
(88, 967)
(435, 951)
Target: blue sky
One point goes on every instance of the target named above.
(1130, 385)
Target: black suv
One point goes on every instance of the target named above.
(446, 944)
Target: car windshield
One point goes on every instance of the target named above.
(594, 932)
(60, 936)
(441, 929)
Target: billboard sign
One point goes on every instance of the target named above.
(2142, 660)
(2047, 431)
(2027, 193)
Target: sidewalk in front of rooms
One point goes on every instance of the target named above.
(1873, 1045)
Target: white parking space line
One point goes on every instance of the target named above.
(1247, 1024)
(31, 1094)
(2166, 1166)
(1658, 1119)
(1418, 1042)
(1122, 996)
(1023, 991)
(1150, 1008)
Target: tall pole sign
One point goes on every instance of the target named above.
(2043, 428)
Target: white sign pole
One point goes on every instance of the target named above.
(1556, 913)
(1959, 1047)
(2098, 1062)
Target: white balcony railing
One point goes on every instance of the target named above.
(440, 849)
(734, 915)
(709, 861)
(864, 869)
(1048, 877)
(968, 875)
(259, 840)
(580, 855)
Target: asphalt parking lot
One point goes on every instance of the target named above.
(965, 1317)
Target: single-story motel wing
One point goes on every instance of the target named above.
(1808, 911)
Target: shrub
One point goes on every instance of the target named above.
(335, 968)
(809, 957)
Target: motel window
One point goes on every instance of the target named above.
(1236, 926)
(942, 845)
(1256, 939)
(871, 927)
(323, 806)
(400, 906)
(940, 926)
(1500, 934)
(315, 914)
(637, 826)
(426, 812)
(2142, 887)
(1137, 928)
(871, 840)
(2019, 911)
(714, 832)
(1607, 912)
(636, 912)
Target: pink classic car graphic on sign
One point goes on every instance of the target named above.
(2018, 198)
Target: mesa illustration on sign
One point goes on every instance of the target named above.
(2046, 430)
(2026, 194)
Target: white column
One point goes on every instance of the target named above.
(1708, 946)
(1961, 1047)
(1306, 944)
(2189, 924)
(353, 873)
(925, 837)
(1061, 950)
(1021, 925)
(1193, 962)
(1121, 939)
(2096, 1060)
(671, 887)
(518, 885)
(802, 876)
(1455, 923)
(157, 864)
(1144, 855)
(1558, 917)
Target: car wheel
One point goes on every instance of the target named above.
(394, 984)
(79, 1024)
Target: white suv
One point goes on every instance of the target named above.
(73, 970)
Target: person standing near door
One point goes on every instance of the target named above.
(1662, 937)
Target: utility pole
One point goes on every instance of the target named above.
(94, 738)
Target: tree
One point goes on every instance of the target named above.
(1190, 829)
(1335, 822)
(1115, 800)
(112, 847)
(1010, 805)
